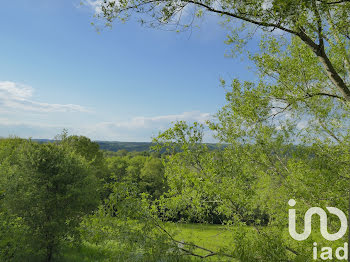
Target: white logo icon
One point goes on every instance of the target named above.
(323, 222)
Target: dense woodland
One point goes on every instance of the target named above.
(284, 135)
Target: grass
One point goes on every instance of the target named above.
(87, 252)
(212, 237)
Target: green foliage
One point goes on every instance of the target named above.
(132, 227)
(152, 178)
(145, 172)
(91, 153)
(13, 245)
(46, 189)
(285, 135)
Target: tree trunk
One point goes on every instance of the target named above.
(49, 250)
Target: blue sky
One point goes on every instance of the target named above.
(123, 84)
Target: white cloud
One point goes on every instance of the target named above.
(158, 121)
(14, 96)
(140, 128)
(26, 129)
(16, 91)
(136, 129)
(267, 4)
(17, 105)
(303, 124)
(95, 5)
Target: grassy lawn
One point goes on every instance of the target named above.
(213, 237)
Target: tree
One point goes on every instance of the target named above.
(88, 149)
(302, 97)
(152, 178)
(286, 136)
(117, 166)
(146, 173)
(91, 152)
(49, 188)
(133, 170)
(254, 175)
(12, 243)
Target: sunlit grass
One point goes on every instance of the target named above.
(212, 237)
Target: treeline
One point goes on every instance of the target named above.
(115, 146)
(47, 189)
(68, 192)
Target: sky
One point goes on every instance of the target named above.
(121, 84)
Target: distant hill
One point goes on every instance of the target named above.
(129, 146)
(116, 145)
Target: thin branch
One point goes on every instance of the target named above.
(319, 25)
(308, 95)
(246, 19)
(338, 2)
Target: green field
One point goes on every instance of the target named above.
(212, 237)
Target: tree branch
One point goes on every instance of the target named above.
(325, 94)
(318, 49)
(327, 64)
(241, 17)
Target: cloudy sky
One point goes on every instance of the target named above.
(124, 84)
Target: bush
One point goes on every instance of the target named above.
(49, 188)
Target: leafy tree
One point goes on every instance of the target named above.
(134, 226)
(146, 173)
(48, 188)
(12, 229)
(13, 245)
(285, 137)
(91, 152)
(152, 178)
(248, 180)
(117, 167)
(133, 170)
(301, 98)
(88, 149)
(85, 147)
